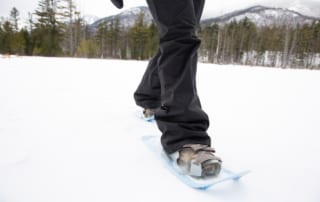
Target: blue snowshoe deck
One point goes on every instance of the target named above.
(153, 143)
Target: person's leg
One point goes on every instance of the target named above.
(180, 118)
(198, 9)
(148, 92)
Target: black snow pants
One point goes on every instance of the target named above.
(169, 83)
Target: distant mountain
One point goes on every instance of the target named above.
(262, 15)
(90, 19)
(126, 18)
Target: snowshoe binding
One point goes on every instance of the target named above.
(197, 161)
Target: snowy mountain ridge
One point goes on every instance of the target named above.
(89, 19)
(260, 15)
(126, 18)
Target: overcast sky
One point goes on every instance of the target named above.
(103, 8)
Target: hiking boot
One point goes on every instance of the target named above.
(197, 160)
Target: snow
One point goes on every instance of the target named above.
(68, 133)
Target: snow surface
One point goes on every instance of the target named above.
(68, 132)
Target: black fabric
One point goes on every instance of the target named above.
(118, 3)
(169, 83)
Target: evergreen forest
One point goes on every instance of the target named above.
(56, 28)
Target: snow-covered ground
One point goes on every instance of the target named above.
(68, 133)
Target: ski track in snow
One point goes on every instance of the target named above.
(68, 132)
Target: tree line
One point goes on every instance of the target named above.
(281, 45)
(56, 28)
(115, 41)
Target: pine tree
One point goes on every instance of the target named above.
(7, 37)
(153, 40)
(80, 30)
(69, 13)
(14, 16)
(101, 39)
(1, 37)
(138, 35)
(87, 48)
(49, 28)
(18, 43)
